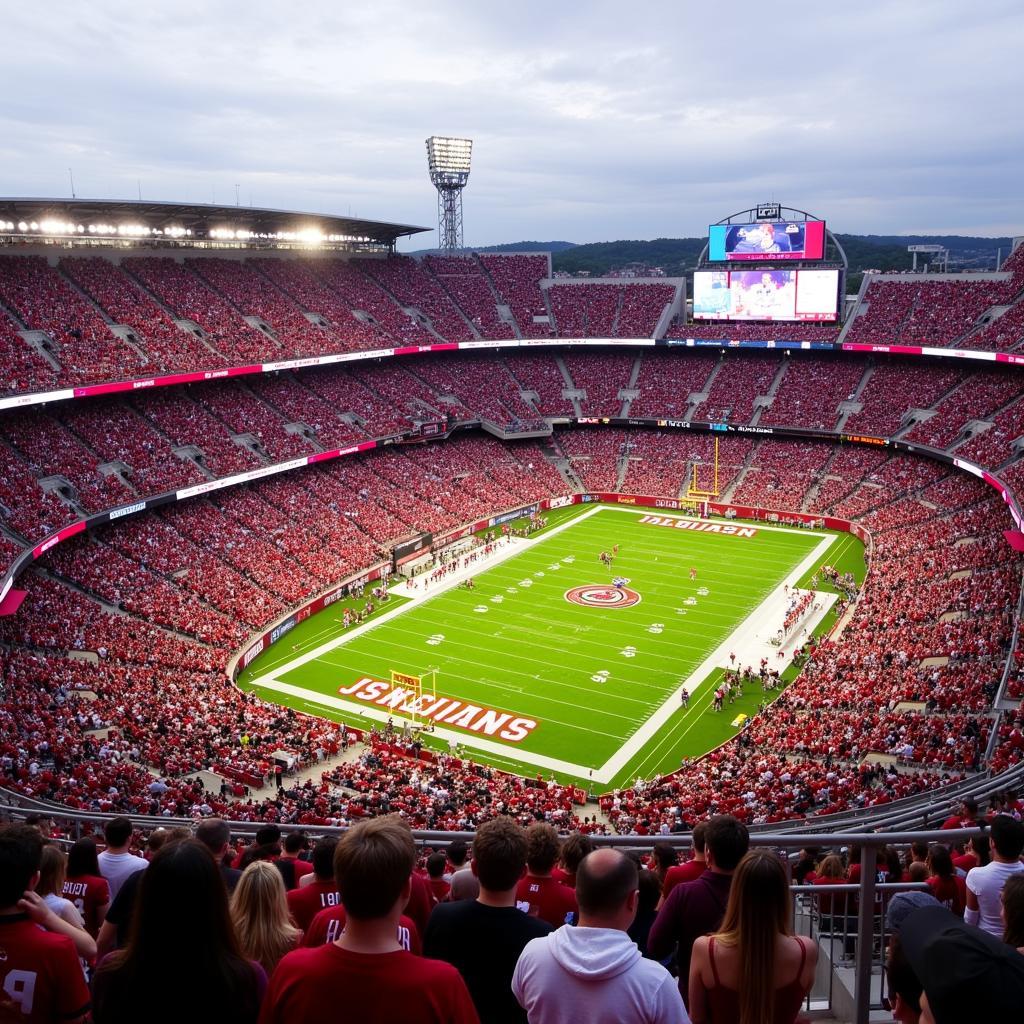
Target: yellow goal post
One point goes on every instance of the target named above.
(422, 685)
(697, 493)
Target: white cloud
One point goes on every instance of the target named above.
(590, 121)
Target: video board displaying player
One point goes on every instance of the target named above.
(763, 294)
(767, 240)
(764, 239)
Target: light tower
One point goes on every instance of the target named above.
(448, 160)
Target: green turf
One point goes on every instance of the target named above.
(516, 645)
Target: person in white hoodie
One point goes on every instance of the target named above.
(593, 973)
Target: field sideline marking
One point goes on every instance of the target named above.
(416, 599)
(738, 640)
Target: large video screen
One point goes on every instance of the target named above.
(774, 240)
(766, 295)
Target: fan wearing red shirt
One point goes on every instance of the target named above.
(328, 925)
(946, 885)
(575, 847)
(966, 816)
(85, 887)
(294, 844)
(40, 975)
(307, 901)
(538, 894)
(365, 970)
(692, 869)
(439, 888)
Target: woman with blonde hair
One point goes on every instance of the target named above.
(52, 871)
(754, 970)
(259, 910)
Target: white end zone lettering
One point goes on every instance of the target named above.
(699, 526)
(443, 710)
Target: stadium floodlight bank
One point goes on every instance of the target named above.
(448, 160)
(143, 224)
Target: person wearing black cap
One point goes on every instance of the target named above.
(965, 972)
(904, 985)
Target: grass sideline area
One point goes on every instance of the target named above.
(591, 677)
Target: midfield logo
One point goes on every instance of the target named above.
(597, 595)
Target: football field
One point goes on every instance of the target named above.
(548, 665)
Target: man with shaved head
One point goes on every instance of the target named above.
(594, 972)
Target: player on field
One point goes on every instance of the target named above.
(693, 572)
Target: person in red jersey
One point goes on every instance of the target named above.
(328, 925)
(84, 886)
(946, 885)
(307, 901)
(439, 888)
(575, 847)
(538, 893)
(965, 816)
(692, 869)
(40, 975)
(291, 866)
(366, 971)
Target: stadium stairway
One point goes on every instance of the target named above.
(854, 405)
(766, 400)
(812, 492)
(630, 392)
(698, 398)
(570, 391)
(740, 475)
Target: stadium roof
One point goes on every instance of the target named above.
(195, 220)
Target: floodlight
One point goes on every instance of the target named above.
(448, 160)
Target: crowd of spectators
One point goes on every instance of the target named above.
(979, 397)
(810, 392)
(85, 346)
(602, 377)
(463, 278)
(128, 304)
(666, 381)
(735, 387)
(585, 310)
(253, 294)
(541, 374)
(893, 389)
(225, 329)
(412, 285)
(992, 447)
(641, 309)
(517, 282)
(24, 369)
(750, 331)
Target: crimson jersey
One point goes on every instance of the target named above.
(311, 985)
(88, 893)
(40, 973)
(330, 923)
(950, 892)
(299, 867)
(547, 899)
(305, 903)
(679, 873)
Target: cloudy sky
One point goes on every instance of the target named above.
(591, 121)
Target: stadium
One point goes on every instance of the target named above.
(274, 493)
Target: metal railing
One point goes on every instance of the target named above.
(858, 932)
